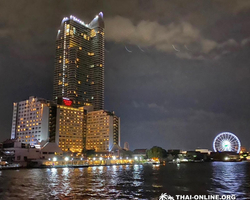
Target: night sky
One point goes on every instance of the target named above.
(184, 77)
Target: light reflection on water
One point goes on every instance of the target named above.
(126, 181)
(231, 178)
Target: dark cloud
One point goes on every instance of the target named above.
(174, 99)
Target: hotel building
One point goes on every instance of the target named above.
(30, 120)
(75, 120)
(67, 126)
(103, 131)
(79, 62)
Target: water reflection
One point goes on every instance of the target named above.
(230, 178)
(126, 181)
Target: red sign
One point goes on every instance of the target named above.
(67, 102)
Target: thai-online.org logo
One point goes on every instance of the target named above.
(165, 196)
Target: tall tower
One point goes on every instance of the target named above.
(79, 62)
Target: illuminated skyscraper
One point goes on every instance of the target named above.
(79, 62)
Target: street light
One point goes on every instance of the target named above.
(66, 158)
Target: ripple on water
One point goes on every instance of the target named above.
(126, 182)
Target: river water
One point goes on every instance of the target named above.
(127, 181)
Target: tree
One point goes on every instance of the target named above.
(156, 152)
(89, 153)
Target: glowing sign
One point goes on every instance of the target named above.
(67, 102)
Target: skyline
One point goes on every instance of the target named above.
(176, 81)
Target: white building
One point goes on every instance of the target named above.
(30, 121)
(20, 152)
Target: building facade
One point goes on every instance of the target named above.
(69, 128)
(79, 62)
(75, 120)
(103, 131)
(30, 121)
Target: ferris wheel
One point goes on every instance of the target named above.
(226, 141)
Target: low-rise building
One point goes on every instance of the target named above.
(22, 153)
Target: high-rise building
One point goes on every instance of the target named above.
(79, 62)
(30, 121)
(75, 119)
(103, 131)
(67, 126)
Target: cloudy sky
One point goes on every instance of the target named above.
(176, 72)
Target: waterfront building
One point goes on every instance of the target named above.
(203, 151)
(67, 126)
(79, 62)
(30, 121)
(139, 153)
(21, 153)
(103, 131)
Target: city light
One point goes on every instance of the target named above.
(94, 158)
(136, 158)
(49, 159)
(66, 158)
(114, 157)
(54, 159)
(100, 158)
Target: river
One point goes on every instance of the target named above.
(127, 181)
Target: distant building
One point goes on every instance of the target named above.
(174, 151)
(30, 120)
(126, 146)
(103, 131)
(243, 149)
(79, 62)
(139, 153)
(203, 151)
